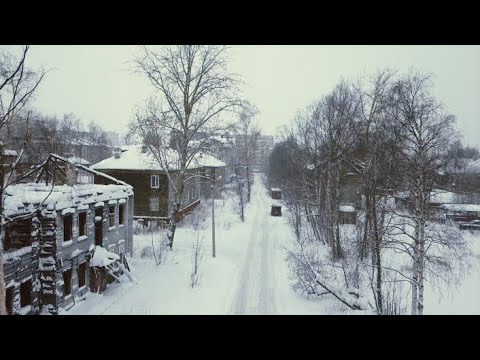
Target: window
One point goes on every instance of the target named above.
(111, 215)
(121, 249)
(121, 214)
(67, 227)
(154, 204)
(67, 282)
(26, 293)
(155, 181)
(18, 235)
(208, 172)
(82, 273)
(82, 224)
(9, 300)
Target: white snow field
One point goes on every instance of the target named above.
(249, 274)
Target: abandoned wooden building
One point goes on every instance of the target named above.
(54, 230)
(135, 165)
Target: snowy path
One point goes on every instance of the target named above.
(248, 276)
(255, 294)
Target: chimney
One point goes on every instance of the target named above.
(116, 153)
(144, 149)
(200, 155)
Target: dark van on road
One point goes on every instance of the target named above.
(276, 210)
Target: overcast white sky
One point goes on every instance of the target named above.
(94, 81)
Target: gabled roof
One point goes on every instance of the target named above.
(53, 165)
(132, 158)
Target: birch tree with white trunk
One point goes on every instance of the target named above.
(421, 133)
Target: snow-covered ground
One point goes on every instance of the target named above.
(458, 299)
(249, 274)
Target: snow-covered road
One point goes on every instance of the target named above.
(255, 294)
(249, 275)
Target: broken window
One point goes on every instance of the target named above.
(111, 215)
(18, 234)
(67, 282)
(82, 224)
(67, 227)
(9, 300)
(82, 273)
(121, 214)
(26, 293)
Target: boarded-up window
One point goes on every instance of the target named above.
(67, 282)
(67, 227)
(111, 215)
(9, 300)
(18, 234)
(82, 224)
(121, 214)
(26, 293)
(82, 272)
(155, 181)
(154, 204)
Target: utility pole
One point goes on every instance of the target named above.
(213, 220)
(213, 212)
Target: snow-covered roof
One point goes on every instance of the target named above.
(8, 152)
(346, 208)
(442, 197)
(24, 198)
(310, 167)
(437, 196)
(461, 207)
(276, 189)
(473, 167)
(77, 160)
(132, 158)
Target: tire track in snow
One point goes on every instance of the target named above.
(247, 282)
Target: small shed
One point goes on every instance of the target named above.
(347, 214)
(276, 193)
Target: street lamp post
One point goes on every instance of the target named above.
(213, 214)
(213, 221)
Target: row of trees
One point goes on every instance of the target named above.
(44, 134)
(382, 135)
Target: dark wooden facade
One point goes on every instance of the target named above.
(140, 180)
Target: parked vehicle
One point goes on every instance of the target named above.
(472, 225)
(276, 210)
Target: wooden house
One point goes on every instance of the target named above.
(137, 167)
(55, 232)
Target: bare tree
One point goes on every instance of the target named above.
(197, 258)
(335, 116)
(375, 165)
(247, 130)
(421, 134)
(194, 91)
(17, 86)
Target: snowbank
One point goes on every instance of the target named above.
(102, 257)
